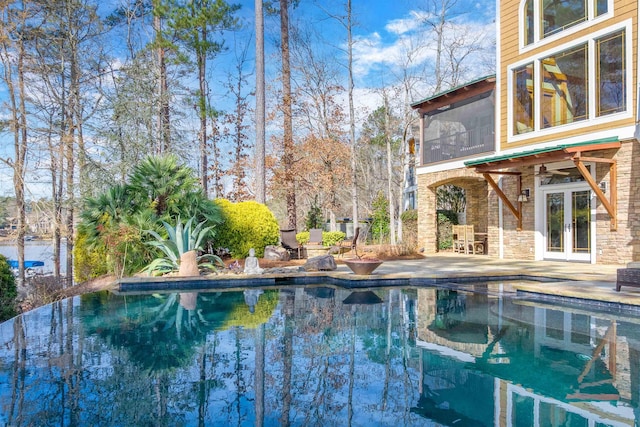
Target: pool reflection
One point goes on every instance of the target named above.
(318, 355)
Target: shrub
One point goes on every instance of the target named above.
(8, 291)
(445, 220)
(182, 239)
(409, 220)
(159, 189)
(380, 224)
(88, 263)
(314, 216)
(246, 225)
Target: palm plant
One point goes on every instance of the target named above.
(181, 239)
(161, 183)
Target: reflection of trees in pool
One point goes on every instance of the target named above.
(159, 325)
(457, 321)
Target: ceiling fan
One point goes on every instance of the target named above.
(543, 172)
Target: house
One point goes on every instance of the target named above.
(560, 179)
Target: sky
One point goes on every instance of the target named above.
(384, 32)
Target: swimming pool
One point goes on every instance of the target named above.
(319, 355)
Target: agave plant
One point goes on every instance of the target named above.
(181, 239)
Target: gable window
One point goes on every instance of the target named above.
(559, 15)
(545, 18)
(581, 82)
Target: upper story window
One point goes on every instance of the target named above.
(582, 82)
(544, 18)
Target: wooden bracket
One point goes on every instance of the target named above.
(517, 212)
(609, 204)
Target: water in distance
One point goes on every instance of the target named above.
(318, 355)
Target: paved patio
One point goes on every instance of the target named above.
(575, 280)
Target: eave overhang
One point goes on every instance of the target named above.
(505, 163)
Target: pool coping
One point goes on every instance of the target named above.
(347, 281)
(551, 286)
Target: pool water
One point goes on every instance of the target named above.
(319, 356)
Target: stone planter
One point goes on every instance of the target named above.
(363, 266)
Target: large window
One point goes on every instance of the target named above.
(557, 89)
(564, 87)
(544, 18)
(523, 99)
(611, 96)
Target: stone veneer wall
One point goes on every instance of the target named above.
(612, 247)
(622, 245)
(477, 207)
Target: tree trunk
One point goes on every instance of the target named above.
(387, 137)
(163, 102)
(202, 75)
(352, 123)
(287, 113)
(13, 56)
(261, 196)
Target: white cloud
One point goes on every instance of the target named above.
(408, 44)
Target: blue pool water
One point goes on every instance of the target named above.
(319, 356)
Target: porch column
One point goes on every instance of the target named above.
(427, 217)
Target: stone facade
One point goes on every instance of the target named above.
(483, 208)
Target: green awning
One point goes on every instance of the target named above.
(539, 151)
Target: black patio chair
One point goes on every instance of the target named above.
(289, 242)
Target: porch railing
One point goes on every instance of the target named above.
(459, 144)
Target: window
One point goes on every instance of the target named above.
(611, 96)
(523, 99)
(564, 87)
(559, 15)
(576, 84)
(545, 18)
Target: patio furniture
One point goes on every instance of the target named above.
(289, 242)
(457, 234)
(466, 240)
(628, 277)
(315, 236)
(349, 244)
(472, 245)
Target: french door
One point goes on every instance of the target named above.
(567, 225)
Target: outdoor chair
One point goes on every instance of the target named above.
(471, 244)
(628, 277)
(458, 237)
(349, 244)
(315, 236)
(289, 242)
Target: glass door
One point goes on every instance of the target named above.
(567, 221)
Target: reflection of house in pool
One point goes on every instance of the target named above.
(522, 361)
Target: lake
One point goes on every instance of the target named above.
(38, 250)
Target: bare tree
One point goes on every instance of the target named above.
(261, 195)
(164, 121)
(236, 127)
(288, 156)
(14, 27)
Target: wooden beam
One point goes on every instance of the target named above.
(516, 212)
(594, 147)
(609, 205)
(556, 156)
(592, 159)
(498, 172)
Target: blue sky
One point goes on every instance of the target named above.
(384, 31)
